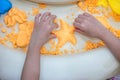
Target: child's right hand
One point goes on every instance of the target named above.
(89, 25)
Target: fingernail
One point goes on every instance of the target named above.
(86, 14)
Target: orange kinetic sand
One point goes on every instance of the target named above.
(15, 15)
(65, 34)
(21, 38)
(42, 6)
(115, 16)
(89, 5)
(35, 11)
(90, 45)
(1, 25)
(3, 30)
(24, 34)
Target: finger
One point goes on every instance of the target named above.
(45, 16)
(79, 29)
(80, 26)
(51, 19)
(55, 25)
(52, 36)
(77, 25)
(79, 20)
(86, 14)
(37, 17)
(81, 32)
(81, 16)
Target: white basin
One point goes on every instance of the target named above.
(55, 1)
(97, 64)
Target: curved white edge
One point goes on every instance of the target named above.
(55, 1)
(93, 65)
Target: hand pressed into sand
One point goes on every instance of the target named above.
(44, 25)
(89, 25)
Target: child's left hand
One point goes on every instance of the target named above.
(44, 25)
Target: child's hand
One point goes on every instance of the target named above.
(44, 25)
(88, 25)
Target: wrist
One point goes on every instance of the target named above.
(35, 46)
(105, 35)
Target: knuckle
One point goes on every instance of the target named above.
(82, 24)
(85, 21)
